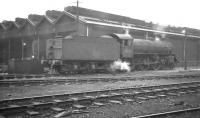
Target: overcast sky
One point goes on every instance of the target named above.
(185, 13)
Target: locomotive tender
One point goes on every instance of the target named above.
(78, 54)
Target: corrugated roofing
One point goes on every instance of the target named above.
(101, 18)
(102, 15)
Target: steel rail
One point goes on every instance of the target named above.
(17, 76)
(169, 113)
(85, 80)
(71, 101)
(98, 91)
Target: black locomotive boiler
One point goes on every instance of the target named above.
(82, 54)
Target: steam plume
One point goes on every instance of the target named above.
(120, 66)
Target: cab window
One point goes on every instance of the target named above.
(127, 43)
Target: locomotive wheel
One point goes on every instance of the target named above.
(155, 67)
(171, 66)
(146, 67)
(140, 67)
(133, 67)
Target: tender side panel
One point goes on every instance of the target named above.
(88, 49)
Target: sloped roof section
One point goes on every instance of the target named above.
(35, 19)
(2, 27)
(102, 15)
(8, 24)
(192, 31)
(70, 15)
(20, 22)
(53, 15)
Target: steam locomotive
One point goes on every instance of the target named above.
(81, 54)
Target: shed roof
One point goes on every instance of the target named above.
(35, 19)
(101, 18)
(89, 16)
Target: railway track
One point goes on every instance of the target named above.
(68, 104)
(63, 80)
(21, 76)
(171, 113)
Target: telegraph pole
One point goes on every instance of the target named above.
(184, 49)
(185, 58)
(77, 17)
(9, 49)
(77, 12)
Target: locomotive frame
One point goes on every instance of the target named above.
(77, 53)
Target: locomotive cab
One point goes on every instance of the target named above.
(126, 45)
(127, 48)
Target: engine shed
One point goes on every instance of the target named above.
(25, 39)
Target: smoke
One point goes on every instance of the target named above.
(159, 28)
(120, 66)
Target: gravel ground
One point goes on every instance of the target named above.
(136, 74)
(28, 91)
(128, 110)
(125, 110)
